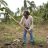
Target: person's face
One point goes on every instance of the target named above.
(25, 14)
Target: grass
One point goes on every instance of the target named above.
(9, 32)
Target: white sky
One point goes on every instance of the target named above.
(14, 4)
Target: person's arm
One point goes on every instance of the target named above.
(21, 23)
(31, 27)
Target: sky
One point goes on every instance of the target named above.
(14, 4)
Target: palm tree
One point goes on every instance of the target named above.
(8, 13)
(22, 8)
(17, 12)
(3, 2)
(32, 5)
(30, 8)
(25, 5)
(7, 10)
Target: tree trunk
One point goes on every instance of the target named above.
(0, 7)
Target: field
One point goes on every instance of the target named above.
(10, 33)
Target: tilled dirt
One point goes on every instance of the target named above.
(19, 44)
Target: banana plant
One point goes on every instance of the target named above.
(3, 2)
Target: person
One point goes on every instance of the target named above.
(27, 22)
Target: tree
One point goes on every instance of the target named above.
(45, 12)
(25, 5)
(32, 6)
(7, 10)
(3, 2)
(41, 14)
(17, 12)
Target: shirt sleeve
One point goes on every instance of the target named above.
(31, 27)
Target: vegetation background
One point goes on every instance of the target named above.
(10, 30)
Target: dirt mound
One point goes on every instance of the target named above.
(15, 44)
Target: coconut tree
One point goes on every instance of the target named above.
(7, 10)
(26, 7)
(3, 2)
(25, 4)
(32, 5)
(17, 12)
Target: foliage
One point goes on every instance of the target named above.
(3, 2)
(41, 13)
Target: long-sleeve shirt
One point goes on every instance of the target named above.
(27, 22)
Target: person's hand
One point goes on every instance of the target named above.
(26, 29)
(29, 29)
